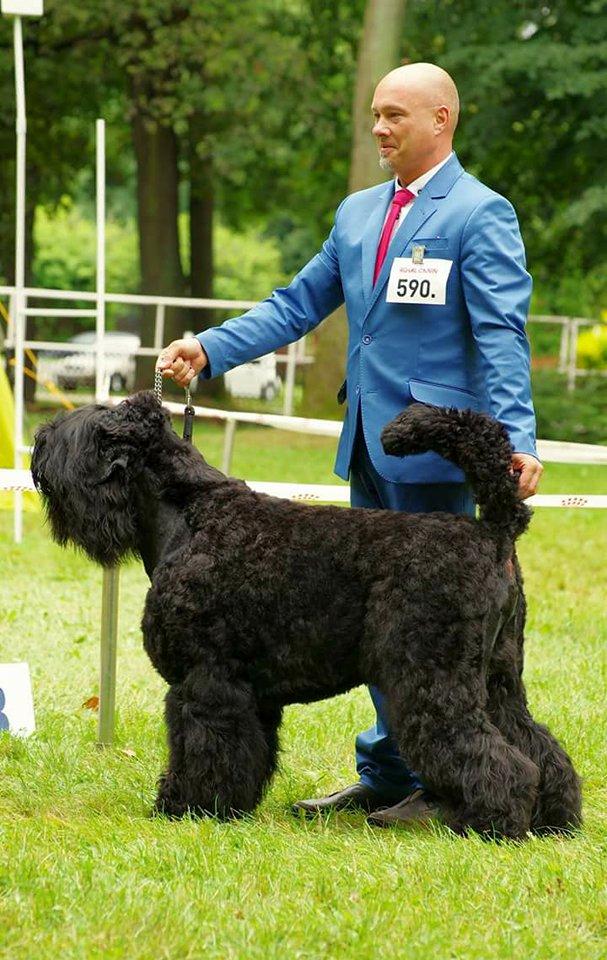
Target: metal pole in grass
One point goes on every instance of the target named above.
(100, 372)
(109, 643)
(111, 576)
(228, 446)
(18, 9)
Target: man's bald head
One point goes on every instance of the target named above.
(416, 108)
(429, 83)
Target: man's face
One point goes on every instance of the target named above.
(405, 127)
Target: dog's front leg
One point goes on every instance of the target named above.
(220, 753)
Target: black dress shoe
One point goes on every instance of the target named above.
(357, 797)
(418, 808)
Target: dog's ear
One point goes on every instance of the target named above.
(40, 455)
(117, 468)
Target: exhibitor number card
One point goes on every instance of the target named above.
(424, 282)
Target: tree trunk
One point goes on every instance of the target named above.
(378, 53)
(201, 224)
(156, 153)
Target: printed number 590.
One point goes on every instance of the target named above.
(412, 286)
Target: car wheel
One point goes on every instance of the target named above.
(117, 383)
(269, 392)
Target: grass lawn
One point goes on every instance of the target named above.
(85, 874)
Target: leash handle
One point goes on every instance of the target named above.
(188, 413)
(188, 422)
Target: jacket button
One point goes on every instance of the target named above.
(367, 339)
(358, 388)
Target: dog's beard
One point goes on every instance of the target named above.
(385, 164)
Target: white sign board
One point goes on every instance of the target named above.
(23, 8)
(16, 703)
(424, 282)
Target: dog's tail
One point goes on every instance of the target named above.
(476, 443)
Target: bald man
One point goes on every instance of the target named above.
(431, 267)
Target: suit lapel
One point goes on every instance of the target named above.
(423, 208)
(371, 235)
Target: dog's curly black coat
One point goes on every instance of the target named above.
(257, 602)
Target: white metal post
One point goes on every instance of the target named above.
(10, 329)
(19, 317)
(564, 346)
(101, 388)
(228, 446)
(571, 370)
(159, 327)
(287, 408)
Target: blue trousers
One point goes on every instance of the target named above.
(378, 762)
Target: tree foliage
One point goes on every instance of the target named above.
(533, 82)
(257, 95)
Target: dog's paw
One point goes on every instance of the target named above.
(169, 802)
(168, 809)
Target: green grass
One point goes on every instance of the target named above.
(85, 874)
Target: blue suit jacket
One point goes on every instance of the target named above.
(471, 352)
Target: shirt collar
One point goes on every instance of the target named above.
(416, 185)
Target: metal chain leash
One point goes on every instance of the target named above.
(158, 385)
(188, 413)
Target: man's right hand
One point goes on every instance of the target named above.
(182, 360)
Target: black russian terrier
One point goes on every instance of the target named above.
(257, 602)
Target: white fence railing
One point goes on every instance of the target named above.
(294, 357)
(567, 362)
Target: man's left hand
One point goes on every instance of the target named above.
(529, 471)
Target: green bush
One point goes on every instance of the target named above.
(247, 265)
(580, 416)
(65, 252)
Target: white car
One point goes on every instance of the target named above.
(73, 370)
(257, 379)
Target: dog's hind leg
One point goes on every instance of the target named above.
(559, 804)
(221, 752)
(481, 781)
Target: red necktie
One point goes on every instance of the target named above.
(401, 199)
